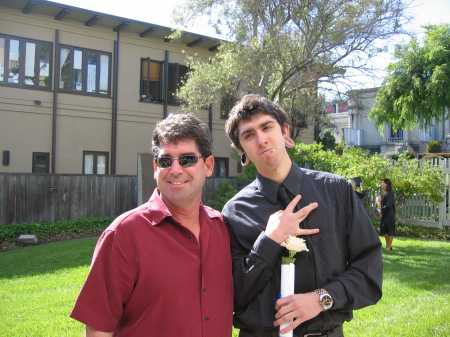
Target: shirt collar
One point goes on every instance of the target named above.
(269, 188)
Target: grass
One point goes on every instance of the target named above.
(38, 286)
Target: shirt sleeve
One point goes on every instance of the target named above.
(107, 287)
(253, 267)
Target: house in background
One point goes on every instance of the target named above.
(81, 91)
(354, 128)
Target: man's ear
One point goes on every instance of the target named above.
(209, 163)
(155, 168)
(288, 141)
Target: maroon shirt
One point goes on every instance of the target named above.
(151, 277)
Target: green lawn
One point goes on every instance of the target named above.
(38, 286)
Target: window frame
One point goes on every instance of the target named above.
(85, 71)
(170, 80)
(23, 65)
(96, 154)
(46, 156)
(144, 89)
(216, 172)
(176, 74)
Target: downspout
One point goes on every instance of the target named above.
(166, 82)
(210, 115)
(56, 79)
(115, 84)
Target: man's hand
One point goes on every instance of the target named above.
(299, 307)
(283, 224)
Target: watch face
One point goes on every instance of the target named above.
(326, 301)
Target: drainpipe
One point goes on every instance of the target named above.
(166, 82)
(56, 79)
(115, 85)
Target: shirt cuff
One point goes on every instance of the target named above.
(267, 249)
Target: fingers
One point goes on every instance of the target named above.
(299, 307)
(293, 203)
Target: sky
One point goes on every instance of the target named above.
(159, 12)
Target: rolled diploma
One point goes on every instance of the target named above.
(287, 288)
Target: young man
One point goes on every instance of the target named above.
(342, 270)
(164, 268)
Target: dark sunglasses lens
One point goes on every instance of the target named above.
(188, 161)
(164, 162)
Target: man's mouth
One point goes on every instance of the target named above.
(177, 182)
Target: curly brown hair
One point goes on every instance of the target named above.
(180, 126)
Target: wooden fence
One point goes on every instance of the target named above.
(58, 197)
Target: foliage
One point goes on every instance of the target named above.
(340, 148)
(220, 196)
(328, 141)
(415, 91)
(48, 230)
(434, 147)
(283, 49)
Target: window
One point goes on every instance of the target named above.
(25, 63)
(220, 167)
(41, 162)
(151, 80)
(95, 162)
(177, 75)
(154, 80)
(84, 71)
(396, 134)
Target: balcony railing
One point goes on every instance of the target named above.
(354, 137)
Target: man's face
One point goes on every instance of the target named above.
(263, 141)
(182, 186)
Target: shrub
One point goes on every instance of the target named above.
(434, 147)
(44, 230)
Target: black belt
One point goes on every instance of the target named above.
(335, 332)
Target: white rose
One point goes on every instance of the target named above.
(295, 244)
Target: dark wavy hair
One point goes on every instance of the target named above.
(249, 106)
(180, 126)
(388, 183)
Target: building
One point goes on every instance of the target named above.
(355, 129)
(81, 91)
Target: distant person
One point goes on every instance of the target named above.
(361, 193)
(341, 272)
(387, 213)
(164, 268)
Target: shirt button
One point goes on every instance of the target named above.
(191, 236)
(206, 319)
(204, 290)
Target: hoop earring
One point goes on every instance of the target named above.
(244, 159)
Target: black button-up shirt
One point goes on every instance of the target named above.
(345, 257)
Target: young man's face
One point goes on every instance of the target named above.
(263, 140)
(182, 186)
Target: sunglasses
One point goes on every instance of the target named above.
(184, 161)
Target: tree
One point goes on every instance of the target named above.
(415, 91)
(283, 49)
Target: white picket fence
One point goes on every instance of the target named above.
(421, 212)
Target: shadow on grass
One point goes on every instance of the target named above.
(47, 258)
(421, 266)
